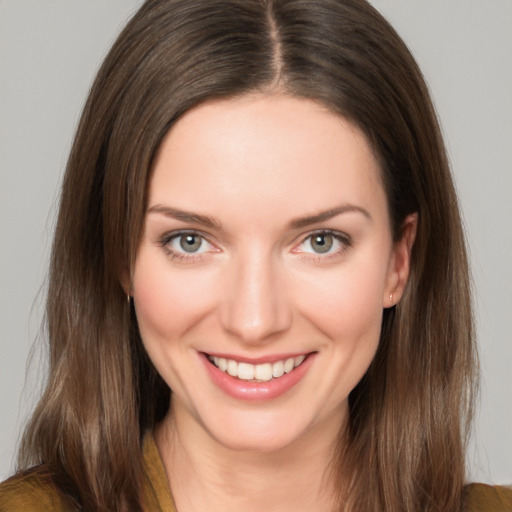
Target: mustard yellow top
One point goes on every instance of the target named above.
(488, 498)
(30, 494)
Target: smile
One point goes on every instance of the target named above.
(259, 380)
(264, 372)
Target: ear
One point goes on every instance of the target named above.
(125, 281)
(400, 262)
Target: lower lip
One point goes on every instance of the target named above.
(257, 391)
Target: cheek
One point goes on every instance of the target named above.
(346, 302)
(168, 303)
(345, 306)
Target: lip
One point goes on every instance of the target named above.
(256, 391)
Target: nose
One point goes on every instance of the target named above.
(255, 307)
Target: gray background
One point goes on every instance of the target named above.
(49, 52)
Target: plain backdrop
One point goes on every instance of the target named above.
(49, 53)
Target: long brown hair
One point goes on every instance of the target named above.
(404, 447)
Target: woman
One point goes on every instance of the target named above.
(257, 214)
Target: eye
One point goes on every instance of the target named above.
(190, 243)
(187, 244)
(324, 242)
(321, 242)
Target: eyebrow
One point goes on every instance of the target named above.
(185, 216)
(297, 223)
(302, 222)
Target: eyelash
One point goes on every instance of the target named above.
(342, 238)
(183, 256)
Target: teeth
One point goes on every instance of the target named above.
(259, 372)
(232, 368)
(298, 360)
(263, 372)
(278, 369)
(245, 371)
(288, 365)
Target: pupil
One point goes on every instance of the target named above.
(322, 243)
(190, 243)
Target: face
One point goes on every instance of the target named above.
(263, 269)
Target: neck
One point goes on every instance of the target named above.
(205, 475)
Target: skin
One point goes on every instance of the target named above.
(258, 288)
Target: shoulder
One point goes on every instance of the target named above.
(488, 498)
(30, 492)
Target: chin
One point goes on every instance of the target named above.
(265, 431)
(256, 441)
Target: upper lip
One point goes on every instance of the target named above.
(272, 358)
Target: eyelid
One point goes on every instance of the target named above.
(343, 238)
(165, 240)
(170, 235)
(339, 235)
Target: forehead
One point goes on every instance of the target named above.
(265, 151)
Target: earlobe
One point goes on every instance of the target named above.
(400, 262)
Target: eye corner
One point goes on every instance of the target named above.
(175, 246)
(340, 241)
